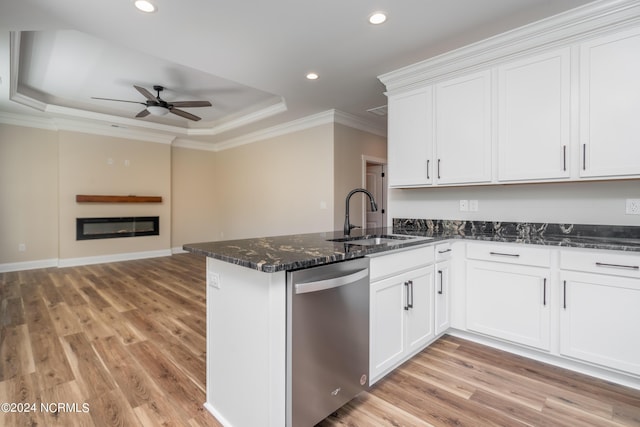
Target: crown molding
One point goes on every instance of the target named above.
(279, 130)
(359, 123)
(25, 120)
(559, 30)
(194, 145)
(105, 129)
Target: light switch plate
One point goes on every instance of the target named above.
(473, 206)
(464, 205)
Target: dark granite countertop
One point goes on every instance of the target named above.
(292, 252)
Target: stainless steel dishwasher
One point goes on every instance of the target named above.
(327, 339)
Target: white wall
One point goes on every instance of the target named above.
(579, 203)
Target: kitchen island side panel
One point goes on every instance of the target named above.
(246, 345)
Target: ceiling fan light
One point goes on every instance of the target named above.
(156, 110)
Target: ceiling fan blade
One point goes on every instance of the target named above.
(145, 93)
(118, 100)
(186, 104)
(143, 113)
(184, 114)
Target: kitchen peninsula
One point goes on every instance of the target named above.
(246, 296)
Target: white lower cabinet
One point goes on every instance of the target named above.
(443, 291)
(600, 313)
(401, 312)
(510, 302)
(401, 318)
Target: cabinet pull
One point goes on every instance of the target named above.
(438, 168)
(445, 251)
(406, 296)
(544, 292)
(411, 289)
(504, 254)
(584, 157)
(627, 267)
(441, 280)
(564, 294)
(564, 158)
(428, 169)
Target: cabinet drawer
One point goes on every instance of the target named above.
(443, 251)
(511, 254)
(602, 262)
(398, 262)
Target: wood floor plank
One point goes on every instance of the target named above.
(52, 366)
(21, 389)
(88, 369)
(128, 338)
(16, 356)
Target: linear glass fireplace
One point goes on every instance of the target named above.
(109, 228)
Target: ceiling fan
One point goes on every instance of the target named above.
(157, 106)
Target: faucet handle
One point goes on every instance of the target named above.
(351, 226)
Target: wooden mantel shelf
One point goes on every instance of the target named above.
(83, 198)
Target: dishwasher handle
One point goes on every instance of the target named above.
(334, 282)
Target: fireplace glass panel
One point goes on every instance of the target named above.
(108, 228)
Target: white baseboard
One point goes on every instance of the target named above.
(28, 265)
(73, 262)
(217, 414)
(178, 250)
(627, 380)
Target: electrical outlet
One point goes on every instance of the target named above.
(633, 207)
(213, 280)
(22, 247)
(464, 205)
(473, 206)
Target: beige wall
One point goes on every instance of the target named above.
(28, 194)
(94, 164)
(285, 185)
(194, 188)
(277, 186)
(349, 146)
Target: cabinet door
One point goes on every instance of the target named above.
(463, 129)
(600, 320)
(420, 329)
(442, 297)
(534, 117)
(509, 302)
(610, 105)
(387, 324)
(410, 138)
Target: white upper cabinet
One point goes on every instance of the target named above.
(610, 105)
(463, 129)
(557, 100)
(410, 148)
(534, 117)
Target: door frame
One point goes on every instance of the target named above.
(371, 160)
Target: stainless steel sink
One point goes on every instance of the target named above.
(377, 239)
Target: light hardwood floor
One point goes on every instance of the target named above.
(123, 344)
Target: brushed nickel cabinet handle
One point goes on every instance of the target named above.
(504, 254)
(564, 158)
(627, 267)
(406, 296)
(544, 292)
(441, 280)
(564, 294)
(428, 168)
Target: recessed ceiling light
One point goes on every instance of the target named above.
(377, 18)
(145, 6)
(312, 76)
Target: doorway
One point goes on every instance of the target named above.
(374, 180)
